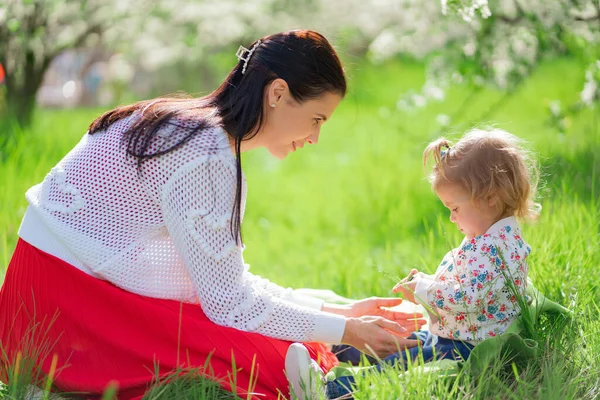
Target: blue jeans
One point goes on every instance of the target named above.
(432, 348)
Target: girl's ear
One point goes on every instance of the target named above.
(492, 201)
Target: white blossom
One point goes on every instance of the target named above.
(159, 33)
(433, 91)
(555, 108)
(590, 91)
(443, 119)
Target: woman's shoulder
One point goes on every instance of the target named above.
(187, 146)
(181, 139)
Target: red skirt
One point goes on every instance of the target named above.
(100, 334)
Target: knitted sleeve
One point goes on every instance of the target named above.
(288, 294)
(197, 201)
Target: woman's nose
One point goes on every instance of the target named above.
(313, 139)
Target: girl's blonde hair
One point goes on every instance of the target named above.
(488, 164)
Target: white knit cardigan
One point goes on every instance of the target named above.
(164, 231)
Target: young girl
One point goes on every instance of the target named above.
(487, 180)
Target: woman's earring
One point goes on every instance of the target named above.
(273, 105)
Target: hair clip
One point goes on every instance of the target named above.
(243, 54)
(444, 153)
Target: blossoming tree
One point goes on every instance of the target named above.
(476, 42)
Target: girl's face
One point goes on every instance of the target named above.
(471, 219)
(290, 125)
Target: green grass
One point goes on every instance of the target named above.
(355, 211)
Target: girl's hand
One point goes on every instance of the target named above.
(407, 286)
(406, 289)
(411, 275)
(377, 335)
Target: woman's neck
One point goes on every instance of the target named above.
(245, 145)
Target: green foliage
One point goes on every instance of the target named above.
(189, 384)
(355, 213)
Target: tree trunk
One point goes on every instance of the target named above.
(21, 93)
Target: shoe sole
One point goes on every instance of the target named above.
(297, 368)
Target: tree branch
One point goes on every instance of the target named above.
(515, 20)
(508, 20)
(519, 7)
(95, 28)
(588, 18)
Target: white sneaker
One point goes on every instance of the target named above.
(304, 374)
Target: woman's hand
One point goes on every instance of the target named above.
(379, 307)
(377, 335)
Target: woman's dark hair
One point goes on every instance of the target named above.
(303, 58)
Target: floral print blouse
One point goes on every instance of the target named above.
(473, 294)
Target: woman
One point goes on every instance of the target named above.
(129, 261)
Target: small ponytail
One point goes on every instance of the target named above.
(436, 151)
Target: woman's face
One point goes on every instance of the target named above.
(290, 125)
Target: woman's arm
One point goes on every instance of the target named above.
(287, 294)
(197, 202)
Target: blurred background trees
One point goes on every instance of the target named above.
(69, 53)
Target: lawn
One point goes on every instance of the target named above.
(356, 212)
